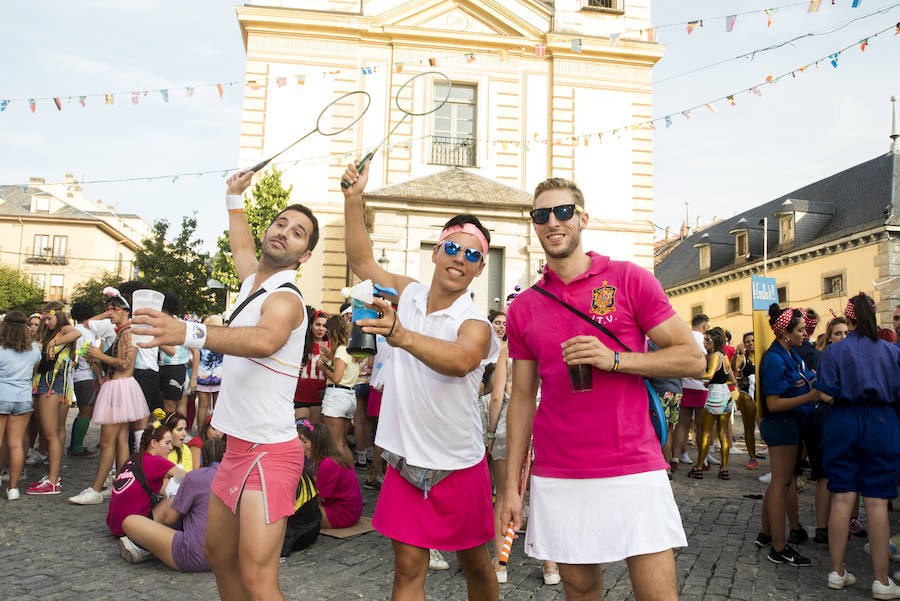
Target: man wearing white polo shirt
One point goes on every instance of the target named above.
(437, 491)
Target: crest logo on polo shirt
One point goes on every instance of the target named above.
(603, 301)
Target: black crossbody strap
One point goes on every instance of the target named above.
(601, 327)
(256, 294)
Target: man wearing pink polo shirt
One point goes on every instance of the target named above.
(599, 490)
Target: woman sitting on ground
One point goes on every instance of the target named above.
(181, 550)
(207, 432)
(135, 493)
(340, 498)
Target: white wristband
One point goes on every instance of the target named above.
(194, 335)
(234, 202)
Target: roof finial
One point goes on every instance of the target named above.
(895, 135)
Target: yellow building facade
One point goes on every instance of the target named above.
(60, 239)
(533, 83)
(825, 243)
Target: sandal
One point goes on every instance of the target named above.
(695, 473)
(723, 475)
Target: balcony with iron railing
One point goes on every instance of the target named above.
(46, 256)
(453, 152)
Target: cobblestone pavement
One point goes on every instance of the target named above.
(52, 550)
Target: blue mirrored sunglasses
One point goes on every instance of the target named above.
(562, 213)
(452, 248)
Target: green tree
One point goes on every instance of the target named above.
(18, 292)
(267, 198)
(179, 266)
(91, 291)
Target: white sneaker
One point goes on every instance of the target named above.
(88, 496)
(765, 478)
(12, 494)
(35, 458)
(130, 552)
(110, 477)
(436, 561)
(551, 578)
(106, 493)
(839, 581)
(501, 575)
(885, 591)
(685, 458)
(712, 459)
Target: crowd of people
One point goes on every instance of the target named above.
(256, 423)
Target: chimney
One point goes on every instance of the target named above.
(69, 179)
(100, 204)
(111, 208)
(698, 223)
(667, 232)
(35, 180)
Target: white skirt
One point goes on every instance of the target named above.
(602, 520)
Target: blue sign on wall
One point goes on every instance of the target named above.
(764, 292)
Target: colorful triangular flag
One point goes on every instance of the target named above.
(731, 100)
(691, 25)
(301, 79)
(81, 100)
(504, 55)
(281, 81)
(189, 92)
(756, 91)
(652, 34)
(470, 57)
(668, 121)
(729, 22)
(710, 107)
(687, 114)
(834, 59)
(855, 4)
(220, 89)
(432, 62)
(58, 104)
(254, 85)
(135, 96)
(540, 50)
(32, 104)
(614, 39)
(398, 67)
(576, 45)
(769, 13)
(109, 98)
(863, 44)
(813, 6)
(3, 105)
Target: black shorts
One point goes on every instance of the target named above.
(811, 428)
(171, 381)
(149, 383)
(86, 392)
(302, 405)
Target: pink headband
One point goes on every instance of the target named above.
(782, 322)
(850, 310)
(467, 228)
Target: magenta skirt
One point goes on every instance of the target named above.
(120, 402)
(693, 398)
(457, 514)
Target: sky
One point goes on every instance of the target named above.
(799, 130)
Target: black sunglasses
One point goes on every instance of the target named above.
(562, 213)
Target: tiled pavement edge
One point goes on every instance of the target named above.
(52, 550)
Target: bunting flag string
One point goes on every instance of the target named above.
(566, 140)
(540, 51)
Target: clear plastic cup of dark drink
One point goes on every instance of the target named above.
(580, 375)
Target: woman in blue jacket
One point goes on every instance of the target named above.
(860, 377)
(787, 396)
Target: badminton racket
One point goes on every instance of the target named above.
(339, 115)
(523, 484)
(404, 102)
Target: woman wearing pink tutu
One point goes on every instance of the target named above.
(120, 403)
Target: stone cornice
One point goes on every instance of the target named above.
(63, 221)
(857, 240)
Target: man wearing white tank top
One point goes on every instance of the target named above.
(255, 486)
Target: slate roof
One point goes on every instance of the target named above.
(856, 199)
(454, 185)
(18, 203)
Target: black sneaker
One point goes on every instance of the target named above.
(821, 536)
(795, 537)
(763, 540)
(788, 556)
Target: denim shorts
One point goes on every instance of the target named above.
(44, 387)
(10, 408)
(780, 430)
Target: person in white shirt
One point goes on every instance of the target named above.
(437, 491)
(254, 488)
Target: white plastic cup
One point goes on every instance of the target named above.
(144, 299)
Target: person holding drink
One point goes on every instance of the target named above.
(599, 490)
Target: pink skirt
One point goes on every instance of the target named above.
(272, 468)
(457, 514)
(120, 402)
(693, 398)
